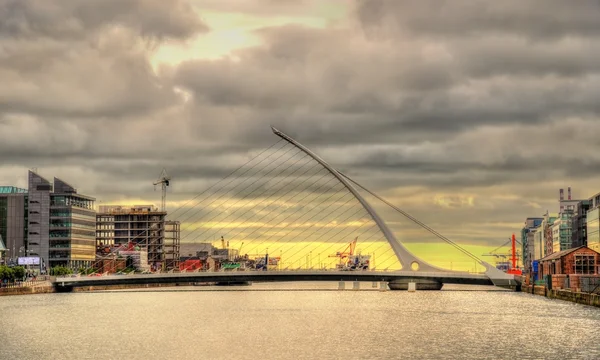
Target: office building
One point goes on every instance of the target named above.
(593, 229)
(561, 231)
(72, 230)
(50, 221)
(579, 224)
(13, 220)
(527, 241)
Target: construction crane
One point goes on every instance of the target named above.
(164, 181)
(514, 255)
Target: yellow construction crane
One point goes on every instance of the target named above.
(164, 181)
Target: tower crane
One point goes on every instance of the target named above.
(164, 181)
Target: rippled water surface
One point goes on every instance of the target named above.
(296, 321)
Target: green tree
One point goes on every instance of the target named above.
(6, 273)
(19, 272)
(61, 271)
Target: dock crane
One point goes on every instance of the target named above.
(164, 181)
(351, 261)
(348, 251)
(514, 255)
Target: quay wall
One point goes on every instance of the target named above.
(133, 286)
(27, 290)
(562, 294)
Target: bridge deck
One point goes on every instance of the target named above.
(273, 276)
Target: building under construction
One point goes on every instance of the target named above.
(172, 245)
(142, 225)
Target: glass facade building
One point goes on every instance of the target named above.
(13, 221)
(48, 220)
(561, 231)
(593, 229)
(72, 227)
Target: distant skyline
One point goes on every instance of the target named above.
(469, 115)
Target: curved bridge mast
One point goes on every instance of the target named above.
(406, 258)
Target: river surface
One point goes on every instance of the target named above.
(296, 321)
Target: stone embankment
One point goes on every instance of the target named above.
(562, 294)
(39, 288)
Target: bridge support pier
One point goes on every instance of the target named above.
(62, 288)
(420, 284)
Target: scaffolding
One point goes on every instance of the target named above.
(172, 244)
(142, 225)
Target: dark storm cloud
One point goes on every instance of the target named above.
(538, 19)
(75, 19)
(87, 58)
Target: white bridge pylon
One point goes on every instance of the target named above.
(406, 258)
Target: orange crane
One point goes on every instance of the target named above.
(348, 251)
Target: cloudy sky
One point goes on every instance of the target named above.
(468, 114)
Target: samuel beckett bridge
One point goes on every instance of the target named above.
(287, 215)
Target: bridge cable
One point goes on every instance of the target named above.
(245, 196)
(276, 208)
(288, 216)
(240, 230)
(334, 235)
(300, 208)
(238, 185)
(415, 220)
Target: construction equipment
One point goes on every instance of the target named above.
(348, 251)
(349, 261)
(164, 181)
(260, 261)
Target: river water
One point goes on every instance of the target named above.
(296, 321)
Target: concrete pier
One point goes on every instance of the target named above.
(420, 284)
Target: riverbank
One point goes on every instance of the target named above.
(48, 288)
(27, 290)
(562, 294)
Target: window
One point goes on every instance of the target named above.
(584, 264)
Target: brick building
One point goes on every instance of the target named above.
(577, 261)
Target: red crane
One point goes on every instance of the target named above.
(514, 270)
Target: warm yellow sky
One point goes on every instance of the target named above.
(231, 31)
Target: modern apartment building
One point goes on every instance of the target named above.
(561, 231)
(142, 225)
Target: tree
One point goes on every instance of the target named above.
(19, 272)
(6, 273)
(61, 271)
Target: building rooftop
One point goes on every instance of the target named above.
(562, 253)
(126, 210)
(12, 190)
